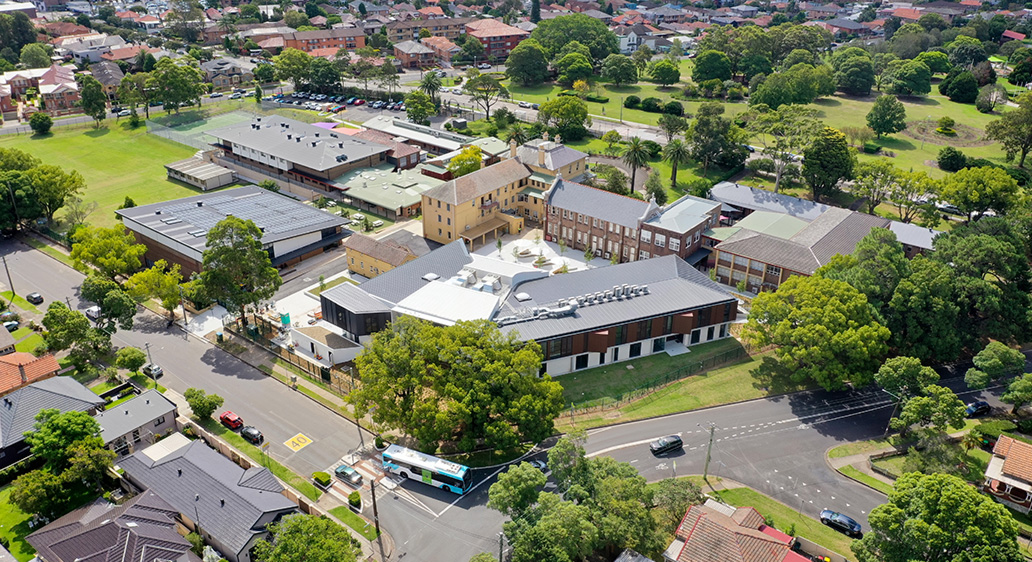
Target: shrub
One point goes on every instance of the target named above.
(652, 105)
(567, 93)
(950, 159)
(979, 163)
(871, 148)
(711, 88)
(947, 132)
(504, 117)
(321, 478)
(355, 499)
(379, 442)
(448, 126)
(492, 131)
(1025, 426)
(596, 98)
(983, 105)
(674, 108)
(946, 122)
(991, 430)
(631, 102)
(654, 148)
(40, 123)
(690, 91)
(1020, 175)
(736, 94)
(761, 165)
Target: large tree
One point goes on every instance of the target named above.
(573, 67)
(485, 90)
(516, 490)
(419, 107)
(825, 331)
(905, 377)
(53, 186)
(975, 191)
(937, 407)
(160, 282)
(555, 33)
(39, 492)
(117, 308)
(466, 383)
(201, 403)
(307, 538)
(527, 63)
(55, 431)
(619, 69)
(175, 85)
(665, 72)
(710, 65)
(887, 116)
(35, 55)
(854, 74)
(938, 517)
(677, 154)
(1014, 130)
(997, 361)
(92, 99)
(827, 161)
(568, 115)
(635, 156)
(237, 270)
(715, 139)
(468, 160)
(875, 268)
(88, 461)
(783, 133)
(911, 78)
(924, 315)
(111, 251)
(909, 193)
(875, 180)
(1019, 392)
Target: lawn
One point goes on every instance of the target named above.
(14, 526)
(146, 382)
(355, 521)
(102, 387)
(19, 302)
(21, 332)
(115, 162)
(29, 344)
(614, 381)
(784, 517)
(298, 482)
(871, 481)
(742, 381)
(975, 462)
(333, 283)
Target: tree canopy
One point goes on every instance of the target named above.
(468, 160)
(827, 161)
(112, 251)
(55, 431)
(1014, 130)
(527, 63)
(888, 115)
(904, 377)
(237, 269)
(554, 33)
(307, 538)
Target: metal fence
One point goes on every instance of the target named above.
(154, 128)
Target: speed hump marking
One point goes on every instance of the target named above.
(298, 442)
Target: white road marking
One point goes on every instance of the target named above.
(616, 447)
(470, 490)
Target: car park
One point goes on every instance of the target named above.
(231, 420)
(152, 370)
(842, 523)
(11, 325)
(34, 298)
(977, 409)
(348, 475)
(665, 445)
(252, 435)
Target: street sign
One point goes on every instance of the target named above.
(298, 442)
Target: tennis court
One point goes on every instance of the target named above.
(194, 132)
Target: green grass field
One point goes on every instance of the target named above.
(14, 526)
(356, 522)
(871, 481)
(19, 302)
(29, 344)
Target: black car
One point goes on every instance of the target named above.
(976, 409)
(34, 298)
(252, 435)
(842, 523)
(664, 445)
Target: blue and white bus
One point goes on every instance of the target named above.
(428, 469)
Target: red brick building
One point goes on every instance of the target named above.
(498, 38)
(349, 38)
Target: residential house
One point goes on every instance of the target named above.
(143, 529)
(414, 55)
(631, 37)
(19, 408)
(431, 12)
(842, 26)
(581, 319)
(10, 8)
(820, 12)
(19, 369)
(1008, 478)
(594, 14)
(317, 21)
(1009, 35)
(442, 47)
(137, 422)
(130, 53)
(58, 90)
(498, 38)
(370, 257)
(449, 28)
(88, 48)
(110, 77)
(745, 11)
(714, 531)
(62, 28)
(908, 15)
(350, 38)
(225, 74)
(229, 506)
(665, 14)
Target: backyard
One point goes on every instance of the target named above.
(14, 526)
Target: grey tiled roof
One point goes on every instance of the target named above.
(599, 203)
(556, 155)
(229, 501)
(133, 414)
(18, 409)
(770, 250)
(413, 48)
(745, 197)
(673, 286)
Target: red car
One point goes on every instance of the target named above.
(359, 102)
(231, 420)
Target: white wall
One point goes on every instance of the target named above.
(290, 244)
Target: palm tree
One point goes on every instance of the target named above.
(636, 156)
(518, 133)
(677, 153)
(430, 84)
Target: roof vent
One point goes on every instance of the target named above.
(158, 212)
(200, 203)
(222, 502)
(427, 277)
(289, 136)
(180, 471)
(317, 135)
(131, 524)
(127, 412)
(522, 297)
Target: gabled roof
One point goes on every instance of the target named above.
(599, 203)
(843, 23)
(1017, 457)
(229, 502)
(442, 43)
(709, 533)
(388, 252)
(745, 197)
(18, 409)
(132, 414)
(483, 29)
(107, 73)
(557, 154)
(20, 368)
(143, 530)
(480, 182)
(413, 48)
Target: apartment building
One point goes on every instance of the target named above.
(498, 38)
(349, 38)
(449, 28)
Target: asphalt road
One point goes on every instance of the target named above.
(279, 412)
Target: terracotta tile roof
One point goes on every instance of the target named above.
(907, 14)
(710, 535)
(126, 53)
(493, 28)
(440, 43)
(398, 149)
(35, 368)
(1014, 35)
(431, 11)
(1017, 457)
(388, 252)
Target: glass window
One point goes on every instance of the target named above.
(758, 266)
(581, 362)
(644, 255)
(644, 329)
(621, 333)
(774, 270)
(660, 241)
(723, 271)
(159, 421)
(635, 350)
(738, 275)
(740, 260)
(675, 244)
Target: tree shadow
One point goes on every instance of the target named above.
(827, 102)
(95, 133)
(895, 143)
(921, 100)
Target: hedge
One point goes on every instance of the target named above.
(355, 499)
(871, 148)
(596, 98)
(321, 478)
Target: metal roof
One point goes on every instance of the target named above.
(387, 188)
(774, 224)
(912, 234)
(599, 203)
(133, 414)
(556, 154)
(685, 214)
(18, 409)
(745, 197)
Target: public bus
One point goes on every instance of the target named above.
(427, 469)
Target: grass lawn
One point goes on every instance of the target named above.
(30, 343)
(21, 332)
(146, 382)
(738, 382)
(784, 517)
(613, 381)
(356, 522)
(871, 481)
(333, 283)
(115, 162)
(101, 388)
(975, 462)
(19, 302)
(299, 483)
(861, 447)
(14, 526)
(613, 109)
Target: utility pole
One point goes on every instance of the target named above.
(501, 547)
(376, 517)
(14, 206)
(182, 303)
(9, 280)
(709, 450)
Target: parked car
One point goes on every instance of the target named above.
(351, 101)
(348, 475)
(359, 102)
(216, 95)
(842, 523)
(11, 325)
(948, 208)
(484, 66)
(252, 435)
(240, 90)
(358, 217)
(977, 409)
(124, 113)
(152, 370)
(377, 224)
(525, 104)
(535, 106)
(231, 420)
(665, 445)
(34, 298)
(93, 313)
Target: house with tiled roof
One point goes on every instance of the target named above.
(442, 47)
(907, 14)
(413, 54)
(1008, 478)
(226, 73)
(431, 12)
(714, 531)
(18, 411)
(20, 369)
(369, 257)
(1010, 35)
(109, 75)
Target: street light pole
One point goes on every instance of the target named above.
(709, 450)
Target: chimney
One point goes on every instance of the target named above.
(541, 153)
(21, 371)
(558, 139)
(512, 148)
(545, 136)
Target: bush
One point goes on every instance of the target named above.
(448, 126)
(379, 442)
(761, 165)
(691, 91)
(947, 132)
(632, 102)
(1020, 175)
(1025, 426)
(654, 148)
(321, 478)
(993, 429)
(652, 105)
(979, 163)
(736, 94)
(504, 117)
(355, 499)
(983, 105)
(871, 148)
(40, 123)
(596, 98)
(567, 93)
(950, 159)
(674, 108)
(492, 130)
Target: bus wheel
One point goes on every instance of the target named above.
(404, 475)
(445, 488)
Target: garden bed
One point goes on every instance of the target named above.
(926, 131)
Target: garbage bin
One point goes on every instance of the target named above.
(218, 337)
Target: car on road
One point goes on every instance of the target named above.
(976, 409)
(484, 66)
(11, 325)
(947, 208)
(665, 445)
(152, 370)
(231, 420)
(535, 106)
(215, 95)
(252, 435)
(34, 298)
(348, 475)
(440, 73)
(525, 104)
(235, 96)
(538, 464)
(842, 523)
(93, 313)
(124, 113)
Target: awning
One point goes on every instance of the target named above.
(698, 255)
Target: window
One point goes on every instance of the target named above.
(774, 270)
(737, 276)
(616, 354)
(695, 336)
(644, 329)
(660, 241)
(668, 324)
(136, 436)
(658, 344)
(742, 261)
(644, 255)
(449, 221)
(159, 421)
(594, 223)
(635, 350)
(621, 334)
(581, 362)
(758, 266)
(675, 245)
